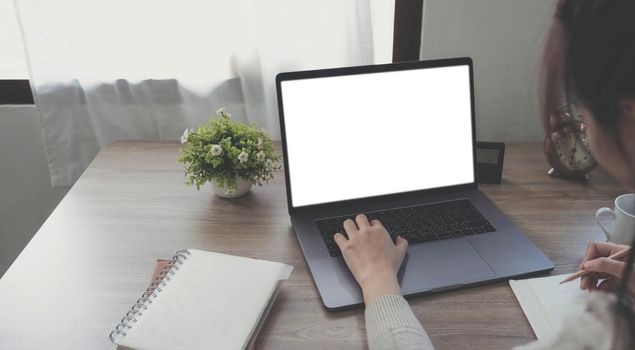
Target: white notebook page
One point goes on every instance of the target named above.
(546, 302)
(213, 302)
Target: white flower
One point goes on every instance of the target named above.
(260, 156)
(260, 143)
(243, 156)
(186, 135)
(216, 150)
(223, 112)
(269, 163)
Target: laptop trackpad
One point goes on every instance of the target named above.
(441, 265)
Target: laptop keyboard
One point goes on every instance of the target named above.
(417, 224)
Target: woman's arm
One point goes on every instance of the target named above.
(374, 261)
(390, 324)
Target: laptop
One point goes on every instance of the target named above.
(398, 143)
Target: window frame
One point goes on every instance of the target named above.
(407, 30)
(16, 92)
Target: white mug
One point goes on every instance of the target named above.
(623, 225)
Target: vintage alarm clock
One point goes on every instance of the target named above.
(567, 146)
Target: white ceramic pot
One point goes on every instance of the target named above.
(243, 187)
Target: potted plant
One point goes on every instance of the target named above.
(230, 155)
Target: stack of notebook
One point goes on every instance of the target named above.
(202, 300)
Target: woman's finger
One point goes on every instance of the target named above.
(605, 265)
(375, 222)
(402, 245)
(597, 249)
(340, 240)
(362, 221)
(586, 281)
(350, 227)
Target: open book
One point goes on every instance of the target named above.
(202, 300)
(545, 302)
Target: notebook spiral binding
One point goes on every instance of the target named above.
(142, 303)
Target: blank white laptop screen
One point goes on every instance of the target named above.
(365, 135)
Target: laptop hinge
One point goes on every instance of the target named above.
(363, 202)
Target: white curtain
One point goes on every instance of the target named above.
(109, 70)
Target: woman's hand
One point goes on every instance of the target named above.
(372, 257)
(602, 268)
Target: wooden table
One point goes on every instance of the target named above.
(94, 255)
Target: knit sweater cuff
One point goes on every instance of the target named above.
(389, 312)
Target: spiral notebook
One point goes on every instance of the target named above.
(546, 302)
(202, 300)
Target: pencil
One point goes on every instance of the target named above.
(583, 272)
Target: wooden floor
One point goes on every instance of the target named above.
(93, 257)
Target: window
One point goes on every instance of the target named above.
(14, 83)
(15, 87)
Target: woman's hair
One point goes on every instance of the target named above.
(589, 57)
(624, 306)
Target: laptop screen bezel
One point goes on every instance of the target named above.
(390, 67)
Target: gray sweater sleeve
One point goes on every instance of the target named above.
(390, 324)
